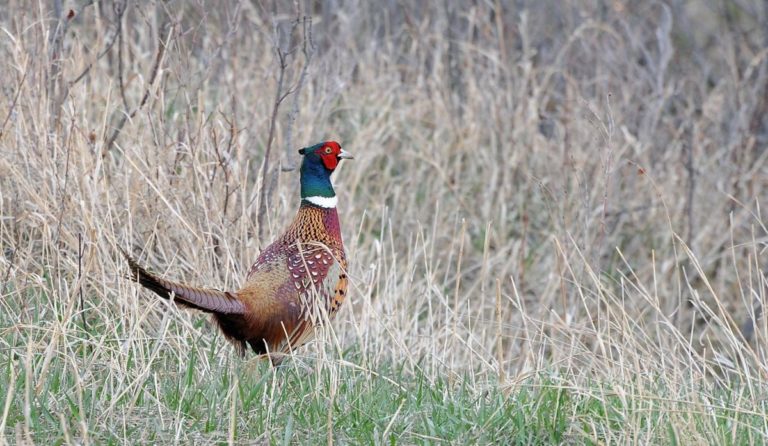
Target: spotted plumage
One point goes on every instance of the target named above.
(296, 283)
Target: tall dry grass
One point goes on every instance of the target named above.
(551, 188)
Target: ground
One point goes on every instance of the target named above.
(553, 219)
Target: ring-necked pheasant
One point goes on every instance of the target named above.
(297, 282)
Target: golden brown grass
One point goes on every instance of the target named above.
(561, 196)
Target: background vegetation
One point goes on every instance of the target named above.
(554, 219)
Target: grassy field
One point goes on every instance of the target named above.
(554, 219)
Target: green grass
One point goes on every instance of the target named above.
(94, 390)
(352, 405)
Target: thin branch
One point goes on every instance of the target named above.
(269, 184)
(6, 278)
(308, 50)
(162, 46)
(57, 42)
(119, 11)
(279, 97)
(748, 327)
(57, 45)
(120, 81)
(691, 186)
(79, 278)
(13, 103)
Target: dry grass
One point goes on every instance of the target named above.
(557, 196)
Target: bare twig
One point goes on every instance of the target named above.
(760, 112)
(8, 269)
(748, 327)
(56, 43)
(223, 159)
(689, 167)
(499, 331)
(269, 183)
(162, 46)
(120, 81)
(63, 191)
(119, 9)
(279, 96)
(13, 103)
(79, 278)
(607, 176)
(456, 81)
(308, 50)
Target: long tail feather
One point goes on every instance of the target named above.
(210, 301)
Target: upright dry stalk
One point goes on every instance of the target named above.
(233, 393)
(690, 169)
(499, 331)
(458, 284)
(79, 278)
(11, 391)
(329, 413)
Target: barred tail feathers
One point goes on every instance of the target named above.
(208, 300)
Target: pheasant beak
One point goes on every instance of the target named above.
(345, 155)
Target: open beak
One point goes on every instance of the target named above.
(345, 155)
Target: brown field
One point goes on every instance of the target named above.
(543, 193)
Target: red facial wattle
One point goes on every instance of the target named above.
(329, 154)
(330, 160)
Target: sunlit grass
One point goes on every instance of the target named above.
(553, 220)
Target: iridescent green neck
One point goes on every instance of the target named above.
(316, 187)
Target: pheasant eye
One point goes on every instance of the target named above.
(328, 150)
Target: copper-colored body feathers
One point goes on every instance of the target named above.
(297, 283)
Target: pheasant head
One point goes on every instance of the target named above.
(318, 164)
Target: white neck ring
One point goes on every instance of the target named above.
(323, 202)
